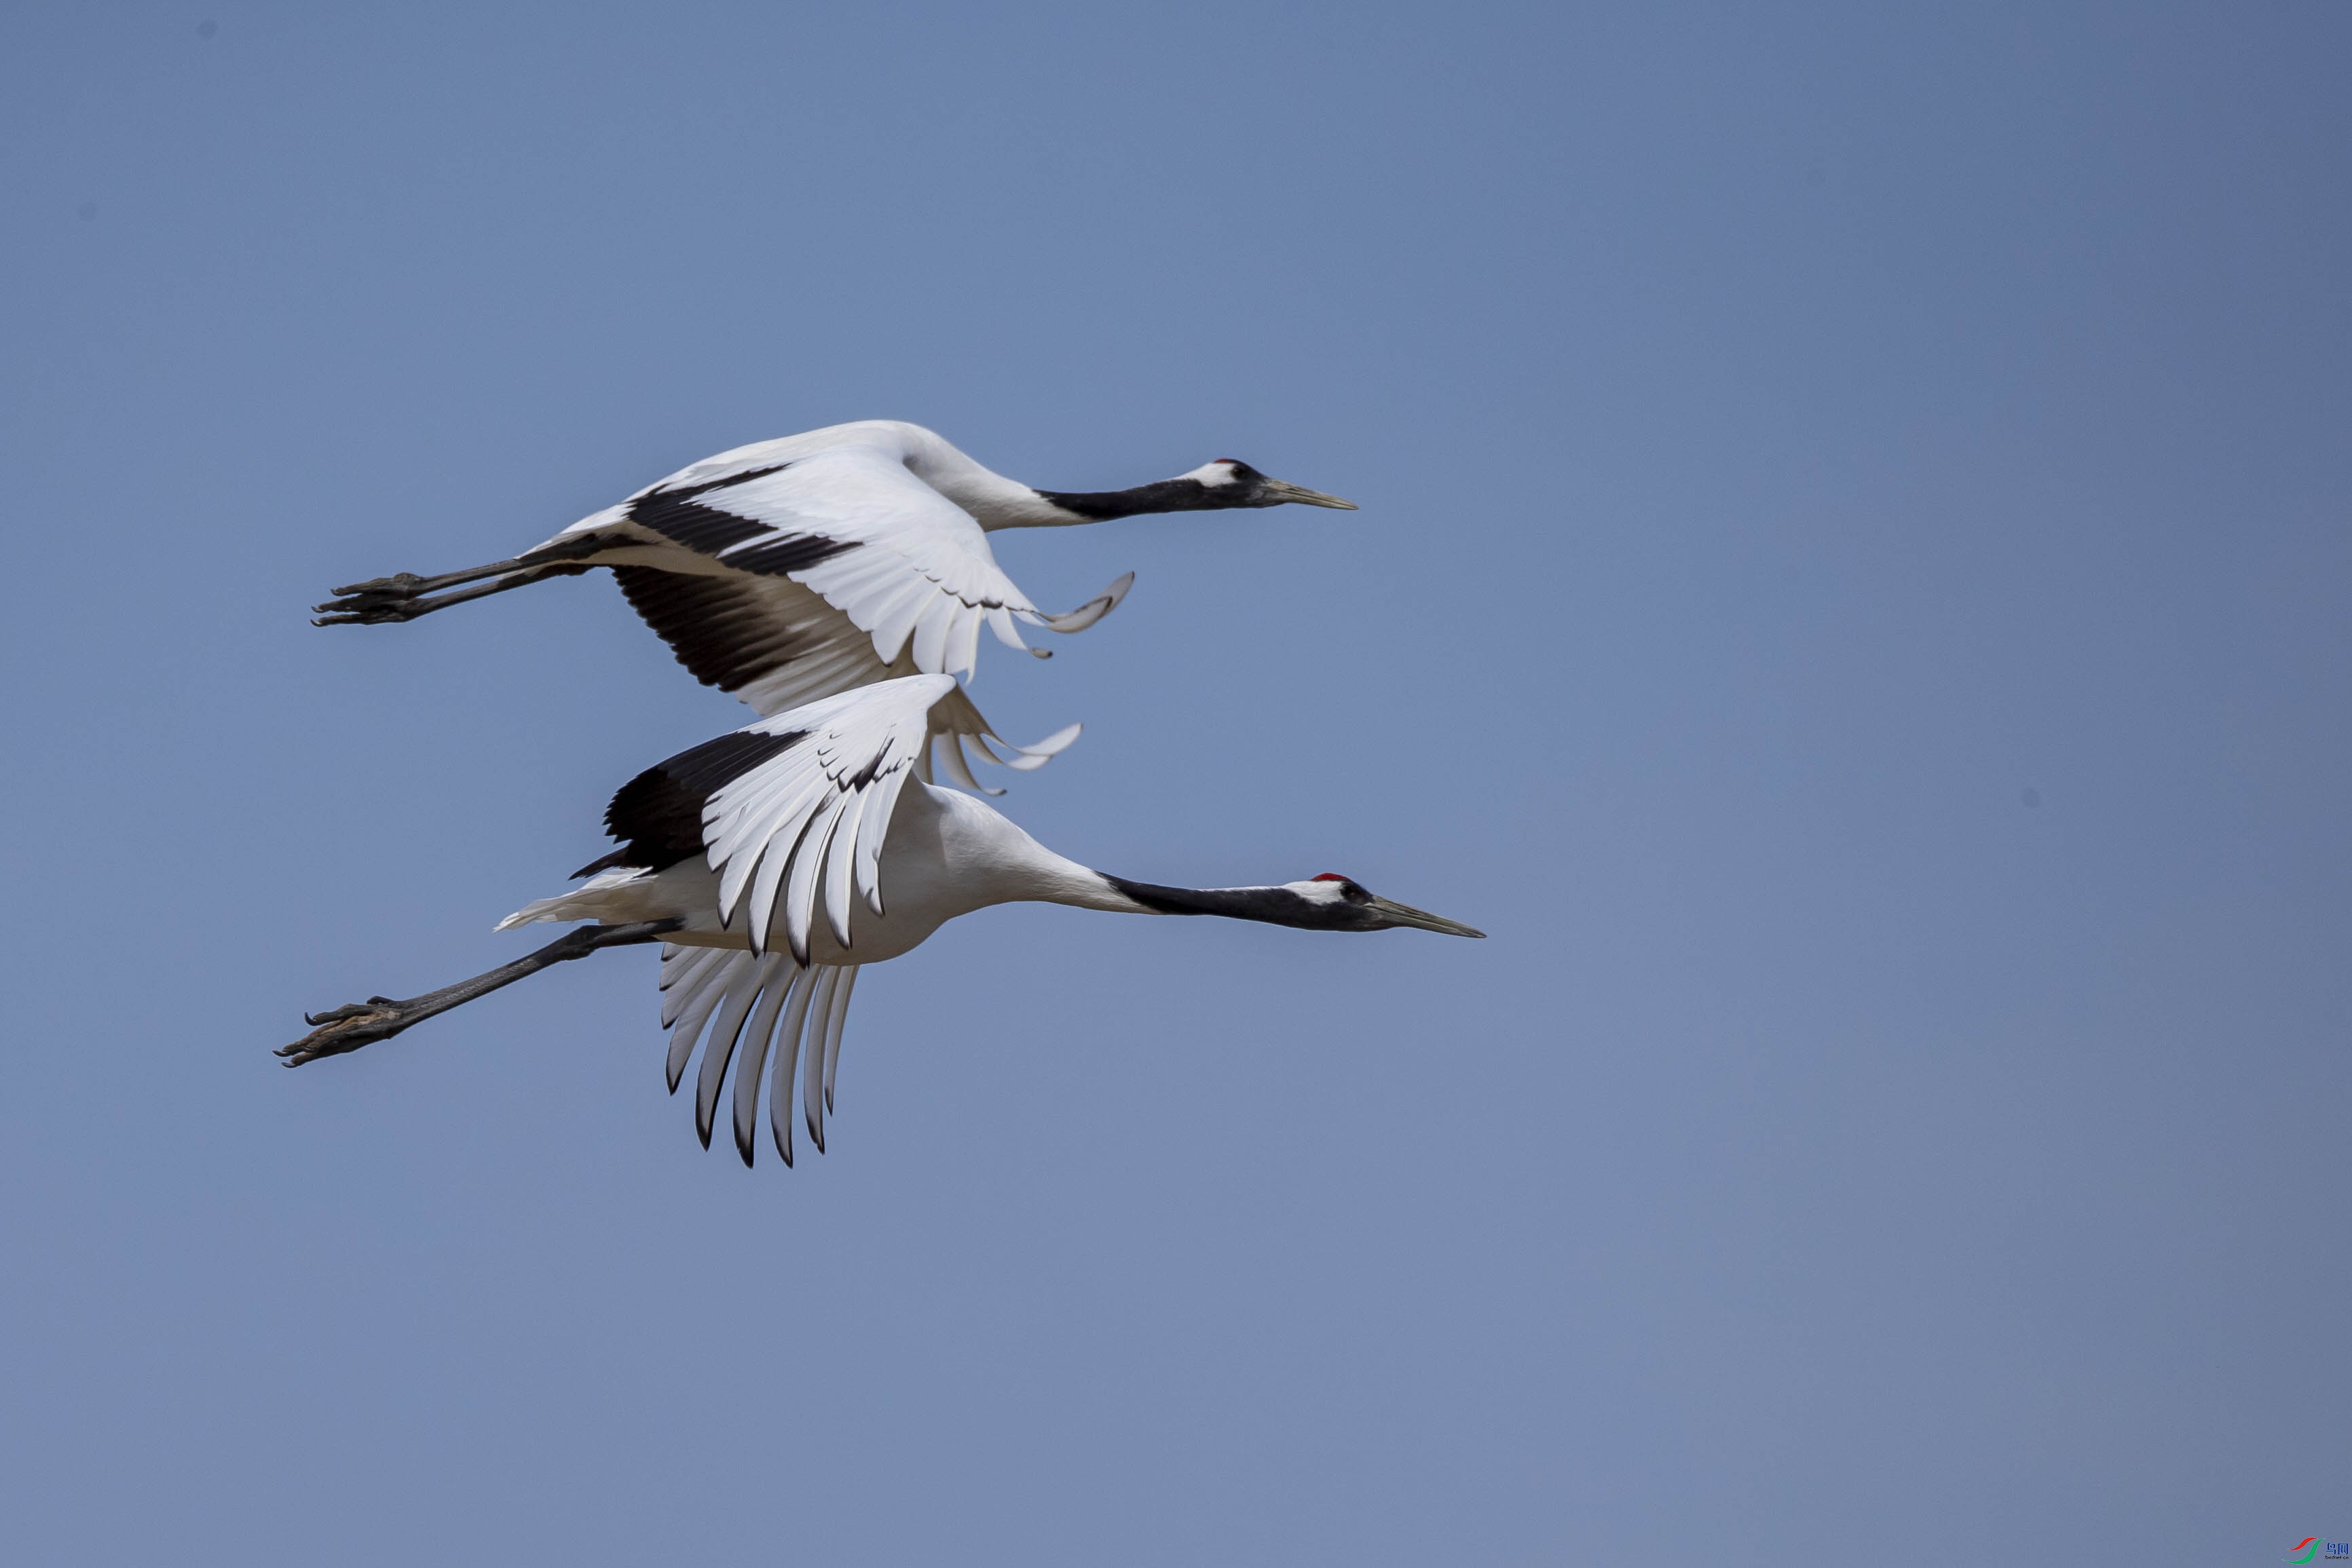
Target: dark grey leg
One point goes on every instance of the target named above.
(408, 584)
(347, 1028)
(402, 596)
(366, 606)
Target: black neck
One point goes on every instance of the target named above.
(1164, 495)
(1276, 906)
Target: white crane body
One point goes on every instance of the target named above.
(946, 855)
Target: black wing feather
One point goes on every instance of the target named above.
(658, 813)
(719, 628)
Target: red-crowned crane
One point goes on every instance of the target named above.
(809, 565)
(774, 862)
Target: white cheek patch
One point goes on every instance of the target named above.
(1220, 472)
(1319, 892)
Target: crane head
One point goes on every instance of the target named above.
(1341, 903)
(1212, 487)
(1229, 482)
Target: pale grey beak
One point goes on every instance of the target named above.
(1398, 914)
(1276, 491)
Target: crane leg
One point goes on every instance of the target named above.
(349, 1027)
(368, 605)
(404, 595)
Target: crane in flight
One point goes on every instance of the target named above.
(806, 566)
(774, 862)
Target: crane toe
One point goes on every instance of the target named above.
(348, 1027)
(373, 602)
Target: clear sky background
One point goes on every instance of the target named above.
(1851, 592)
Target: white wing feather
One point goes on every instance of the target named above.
(753, 1010)
(808, 823)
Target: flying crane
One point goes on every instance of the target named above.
(773, 863)
(810, 565)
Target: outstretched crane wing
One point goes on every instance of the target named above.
(850, 527)
(804, 826)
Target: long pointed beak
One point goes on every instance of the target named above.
(1398, 914)
(1280, 491)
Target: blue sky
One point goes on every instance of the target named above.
(1851, 592)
